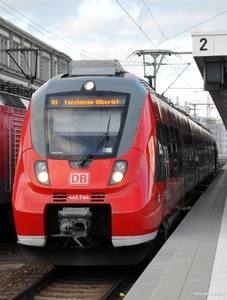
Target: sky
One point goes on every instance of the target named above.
(114, 29)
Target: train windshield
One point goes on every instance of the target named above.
(84, 126)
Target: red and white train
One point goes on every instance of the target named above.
(103, 163)
(14, 100)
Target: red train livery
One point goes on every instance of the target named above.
(103, 163)
(14, 99)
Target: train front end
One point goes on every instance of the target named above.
(84, 176)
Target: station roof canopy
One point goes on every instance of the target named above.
(210, 54)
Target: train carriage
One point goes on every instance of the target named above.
(103, 163)
(14, 100)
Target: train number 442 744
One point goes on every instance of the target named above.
(79, 197)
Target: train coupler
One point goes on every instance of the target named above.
(74, 222)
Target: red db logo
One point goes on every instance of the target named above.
(79, 178)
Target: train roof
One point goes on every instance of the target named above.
(110, 68)
(95, 67)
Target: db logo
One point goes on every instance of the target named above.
(79, 178)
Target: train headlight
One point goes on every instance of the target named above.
(41, 172)
(118, 172)
(89, 85)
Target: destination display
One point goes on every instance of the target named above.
(62, 101)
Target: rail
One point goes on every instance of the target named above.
(101, 283)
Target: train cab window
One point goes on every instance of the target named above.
(79, 125)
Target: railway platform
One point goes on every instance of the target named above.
(193, 262)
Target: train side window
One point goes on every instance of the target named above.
(175, 152)
(169, 143)
(197, 140)
(179, 142)
(201, 156)
(160, 155)
(12, 100)
(189, 155)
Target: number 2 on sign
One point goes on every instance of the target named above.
(204, 42)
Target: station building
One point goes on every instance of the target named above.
(27, 60)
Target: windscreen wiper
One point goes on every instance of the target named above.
(94, 149)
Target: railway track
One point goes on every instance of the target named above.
(48, 283)
(20, 280)
(100, 283)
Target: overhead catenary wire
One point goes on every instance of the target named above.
(166, 39)
(47, 31)
(136, 23)
(139, 26)
(173, 36)
(158, 25)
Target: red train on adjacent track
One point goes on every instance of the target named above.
(103, 163)
(14, 100)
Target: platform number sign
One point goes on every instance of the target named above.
(209, 44)
(202, 45)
